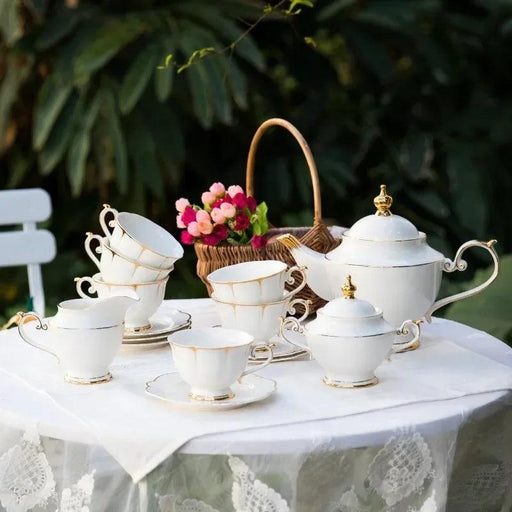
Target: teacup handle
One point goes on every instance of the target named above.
(89, 251)
(414, 326)
(292, 324)
(459, 264)
(258, 347)
(80, 281)
(24, 335)
(111, 223)
(304, 303)
(291, 280)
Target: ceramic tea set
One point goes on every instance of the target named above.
(382, 282)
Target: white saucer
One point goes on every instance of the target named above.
(162, 324)
(283, 350)
(171, 388)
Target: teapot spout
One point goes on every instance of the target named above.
(315, 263)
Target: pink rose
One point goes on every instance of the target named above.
(208, 197)
(218, 189)
(217, 216)
(205, 227)
(251, 203)
(181, 204)
(188, 215)
(193, 229)
(233, 190)
(242, 221)
(203, 216)
(240, 201)
(228, 210)
(187, 238)
(258, 241)
(179, 221)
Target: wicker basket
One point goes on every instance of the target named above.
(318, 237)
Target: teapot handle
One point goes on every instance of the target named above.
(459, 264)
(80, 281)
(89, 251)
(111, 223)
(26, 338)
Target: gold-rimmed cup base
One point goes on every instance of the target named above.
(143, 328)
(87, 381)
(349, 385)
(211, 398)
(398, 350)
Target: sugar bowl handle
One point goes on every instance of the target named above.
(40, 326)
(106, 225)
(459, 264)
(259, 347)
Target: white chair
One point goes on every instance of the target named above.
(31, 246)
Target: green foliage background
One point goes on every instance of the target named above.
(412, 93)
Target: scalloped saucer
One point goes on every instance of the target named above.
(170, 388)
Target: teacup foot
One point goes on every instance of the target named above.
(344, 384)
(132, 330)
(397, 347)
(210, 398)
(85, 380)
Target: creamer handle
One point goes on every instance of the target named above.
(24, 335)
(459, 264)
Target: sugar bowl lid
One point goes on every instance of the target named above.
(383, 225)
(348, 316)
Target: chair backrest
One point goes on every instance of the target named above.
(31, 246)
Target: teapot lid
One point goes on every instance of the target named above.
(383, 225)
(348, 306)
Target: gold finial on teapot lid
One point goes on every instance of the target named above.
(383, 202)
(348, 288)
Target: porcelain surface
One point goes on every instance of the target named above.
(137, 316)
(162, 324)
(394, 267)
(211, 359)
(171, 388)
(140, 239)
(254, 282)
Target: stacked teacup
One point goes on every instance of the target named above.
(251, 296)
(135, 257)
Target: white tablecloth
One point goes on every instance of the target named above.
(449, 380)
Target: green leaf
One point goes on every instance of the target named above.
(490, 310)
(261, 226)
(109, 39)
(80, 145)
(219, 92)
(137, 78)
(164, 79)
(117, 136)
(334, 8)
(51, 99)
(10, 22)
(59, 138)
(237, 82)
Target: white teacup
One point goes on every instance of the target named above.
(138, 238)
(115, 268)
(211, 359)
(137, 317)
(85, 353)
(259, 320)
(254, 282)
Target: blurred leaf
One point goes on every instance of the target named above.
(237, 82)
(164, 79)
(109, 39)
(137, 78)
(416, 154)
(490, 310)
(51, 99)
(80, 145)
(431, 202)
(59, 138)
(334, 8)
(10, 23)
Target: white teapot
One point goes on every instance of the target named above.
(84, 335)
(349, 339)
(394, 267)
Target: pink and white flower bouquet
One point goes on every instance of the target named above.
(226, 216)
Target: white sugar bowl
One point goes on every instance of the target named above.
(349, 339)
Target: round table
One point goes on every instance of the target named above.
(450, 455)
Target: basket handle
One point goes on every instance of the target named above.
(249, 184)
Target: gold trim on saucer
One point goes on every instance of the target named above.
(349, 385)
(203, 398)
(86, 382)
